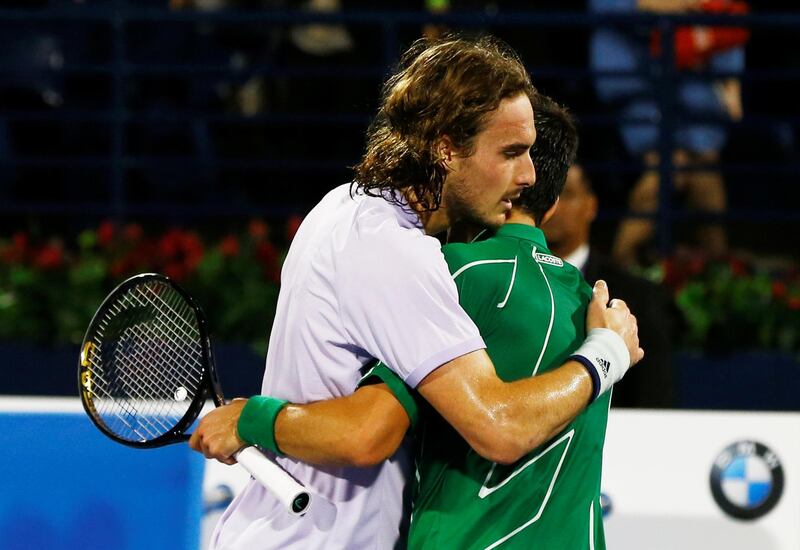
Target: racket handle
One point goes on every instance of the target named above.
(291, 494)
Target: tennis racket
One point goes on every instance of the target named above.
(146, 370)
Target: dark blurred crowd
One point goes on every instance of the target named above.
(175, 102)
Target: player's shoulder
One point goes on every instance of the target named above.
(386, 243)
(386, 227)
(485, 256)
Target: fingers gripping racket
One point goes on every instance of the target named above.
(146, 370)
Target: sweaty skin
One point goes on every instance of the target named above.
(502, 421)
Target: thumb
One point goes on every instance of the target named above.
(600, 294)
(597, 306)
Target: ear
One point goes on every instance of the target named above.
(591, 207)
(550, 212)
(445, 150)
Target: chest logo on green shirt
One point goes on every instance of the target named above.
(547, 259)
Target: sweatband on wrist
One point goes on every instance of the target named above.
(606, 358)
(256, 424)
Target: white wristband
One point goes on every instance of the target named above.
(605, 356)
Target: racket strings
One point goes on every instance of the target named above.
(131, 364)
(164, 321)
(123, 412)
(144, 378)
(111, 418)
(123, 401)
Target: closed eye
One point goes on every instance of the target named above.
(516, 150)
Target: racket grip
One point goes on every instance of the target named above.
(291, 494)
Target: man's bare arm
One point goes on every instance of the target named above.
(501, 421)
(361, 429)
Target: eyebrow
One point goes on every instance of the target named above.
(518, 146)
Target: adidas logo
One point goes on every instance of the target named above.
(604, 364)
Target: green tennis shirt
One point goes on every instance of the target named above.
(530, 308)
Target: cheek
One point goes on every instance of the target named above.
(496, 177)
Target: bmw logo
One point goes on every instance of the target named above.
(747, 480)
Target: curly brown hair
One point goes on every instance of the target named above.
(445, 87)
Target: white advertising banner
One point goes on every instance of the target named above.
(694, 480)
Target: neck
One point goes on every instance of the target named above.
(435, 221)
(517, 215)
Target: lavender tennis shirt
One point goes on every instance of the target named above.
(361, 281)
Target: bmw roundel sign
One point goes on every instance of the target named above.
(747, 480)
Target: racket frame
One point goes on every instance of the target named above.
(209, 384)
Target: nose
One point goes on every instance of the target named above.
(527, 174)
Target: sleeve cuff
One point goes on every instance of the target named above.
(381, 373)
(439, 359)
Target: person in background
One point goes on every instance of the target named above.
(700, 109)
(569, 235)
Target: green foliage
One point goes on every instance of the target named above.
(50, 290)
(736, 304)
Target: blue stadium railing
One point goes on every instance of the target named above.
(112, 165)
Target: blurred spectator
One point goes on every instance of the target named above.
(322, 39)
(650, 384)
(637, 97)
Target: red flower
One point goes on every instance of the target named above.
(20, 241)
(674, 277)
(229, 247)
(793, 303)
(292, 225)
(18, 249)
(118, 268)
(697, 265)
(778, 289)
(738, 267)
(193, 250)
(267, 254)
(105, 234)
(169, 243)
(133, 232)
(258, 230)
(180, 251)
(49, 257)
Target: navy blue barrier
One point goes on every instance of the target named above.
(66, 487)
(53, 370)
(754, 381)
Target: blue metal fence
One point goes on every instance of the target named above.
(132, 122)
